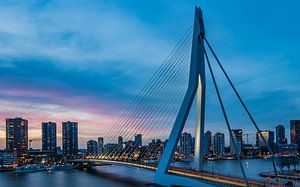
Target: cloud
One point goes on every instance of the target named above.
(80, 35)
(61, 60)
(86, 61)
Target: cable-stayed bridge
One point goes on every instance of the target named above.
(162, 109)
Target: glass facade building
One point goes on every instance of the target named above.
(238, 137)
(295, 131)
(269, 137)
(280, 135)
(185, 144)
(138, 140)
(17, 136)
(70, 138)
(49, 142)
(92, 147)
(219, 144)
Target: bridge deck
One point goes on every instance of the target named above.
(215, 178)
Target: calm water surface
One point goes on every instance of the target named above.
(127, 176)
(72, 178)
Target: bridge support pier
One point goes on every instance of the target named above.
(199, 134)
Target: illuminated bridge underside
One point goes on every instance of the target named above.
(201, 176)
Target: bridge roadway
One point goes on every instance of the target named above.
(210, 177)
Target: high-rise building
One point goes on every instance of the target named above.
(49, 137)
(269, 137)
(295, 131)
(280, 135)
(185, 144)
(238, 137)
(138, 140)
(100, 145)
(193, 144)
(70, 138)
(110, 148)
(209, 138)
(91, 147)
(120, 143)
(17, 136)
(207, 142)
(219, 144)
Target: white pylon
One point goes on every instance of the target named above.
(196, 85)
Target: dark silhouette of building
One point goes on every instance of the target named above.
(219, 144)
(49, 137)
(100, 145)
(280, 135)
(238, 137)
(110, 148)
(70, 138)
(40, 156)
(295, 131)
(269, 137)
(287, 149)
(8, 160)
(207, 143)
(185, 144)
(120, 143)
(138, 140)
(17, 137)
(155, 148)
(250, 150)
(92, 147)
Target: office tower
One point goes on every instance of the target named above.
(219, 144)
(100, 145)
(207, 142)
(209, 136)
(70, 138)
(138, 140)
(295, 131)
(49, 137)
(91, 147)
(193, 144)
(120, 143)
(269, 137)
(185, 144)
(17, 136)
(238, 137)
(280, 135)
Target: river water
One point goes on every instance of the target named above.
(122, 176)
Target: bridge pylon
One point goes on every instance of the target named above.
(196, 88)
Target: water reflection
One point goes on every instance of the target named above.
(123, 176)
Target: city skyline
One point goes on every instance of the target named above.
(50, 139)
(34, 76)
(144, 93)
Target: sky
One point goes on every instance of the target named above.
(86, 60)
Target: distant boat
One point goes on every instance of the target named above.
(30, 168)
(231, 158)
(186, 160)
(61, 167)
(212, 158)
(151, 161)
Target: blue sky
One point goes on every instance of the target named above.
(82, 60)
